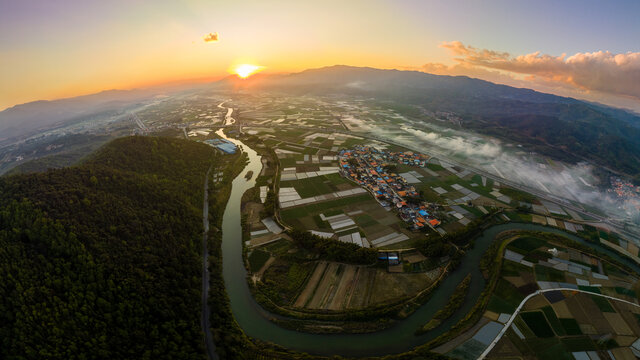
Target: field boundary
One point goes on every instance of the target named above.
(507, 325)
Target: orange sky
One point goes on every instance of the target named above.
(53, 49)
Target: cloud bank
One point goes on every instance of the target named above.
(564, 180)
(457, 144)
(211, 37)
(602, 71)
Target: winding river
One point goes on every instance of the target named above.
(252, 318)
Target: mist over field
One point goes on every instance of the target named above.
(571, 181)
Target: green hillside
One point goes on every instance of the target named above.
(102, 260)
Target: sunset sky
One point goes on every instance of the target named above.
(60, 48)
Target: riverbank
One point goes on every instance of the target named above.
(253, 319)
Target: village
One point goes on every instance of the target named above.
(373, 169)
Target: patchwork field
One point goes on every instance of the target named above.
(318, 185)
(335, 286)
(563, 324)
(371, 219)
(555, 324)
(571, 325)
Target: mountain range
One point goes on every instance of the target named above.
(561, 127)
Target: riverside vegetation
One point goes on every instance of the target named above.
(455, 301)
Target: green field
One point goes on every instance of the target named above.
(474, 210)
(316, 185)
(527, 243)
(299, 212)
(446, 181)
(553, 320)
(593, 289)
(517, 195)
(431, 196)
(536, 321)
(510, 268)
(478, 180)
(581, 343)
(284, 279)
(603, 304)
(257, 259)
(291, 160)
(365, 220)
(544, 273)
(537, 255)
(549, 348)
(434, 167)
(571, 326)
(625, 291)
(505, 298)
(278, 247)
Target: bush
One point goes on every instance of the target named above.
(334, 250)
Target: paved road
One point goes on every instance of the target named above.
(205, 321)
(508, 323)
(139, 122)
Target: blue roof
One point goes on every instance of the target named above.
(228, 148)
(222, 144)
(423, 213)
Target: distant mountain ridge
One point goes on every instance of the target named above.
(24, 119)
(561, 127)
(557, 126)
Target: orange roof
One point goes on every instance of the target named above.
(434, 222)
(402, 193)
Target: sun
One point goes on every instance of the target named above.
(246, 70)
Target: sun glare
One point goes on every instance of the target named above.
(246, 70)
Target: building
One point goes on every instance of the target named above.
(224, 145)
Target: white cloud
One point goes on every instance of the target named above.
(602, 71)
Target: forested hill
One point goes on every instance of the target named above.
(102, 260)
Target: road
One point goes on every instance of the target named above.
(513, 316)
(205, 320)
(139, 122)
